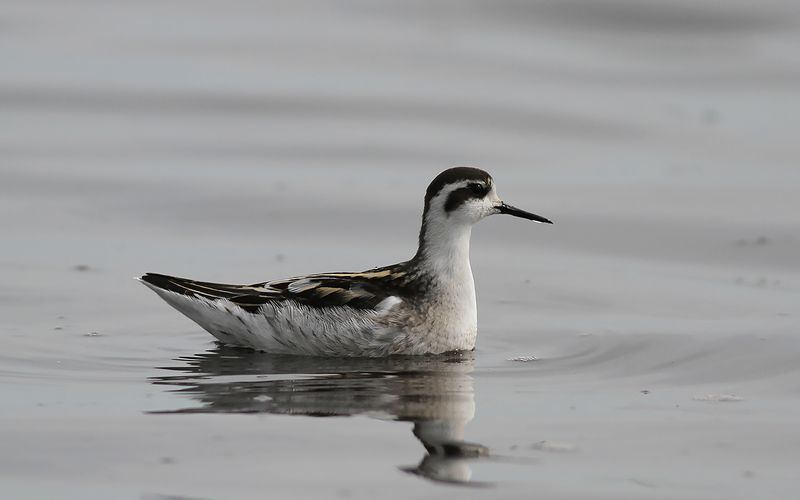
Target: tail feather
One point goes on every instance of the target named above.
(248, 297)
(192, 288)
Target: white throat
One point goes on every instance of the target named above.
(444, 255)
(444, 247)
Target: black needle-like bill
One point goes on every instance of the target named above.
(516, 212)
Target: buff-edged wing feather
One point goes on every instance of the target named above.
(365, 290)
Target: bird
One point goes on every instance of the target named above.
(423, 306)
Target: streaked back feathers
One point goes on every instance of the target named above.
(357, 290)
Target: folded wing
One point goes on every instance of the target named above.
(358, 290)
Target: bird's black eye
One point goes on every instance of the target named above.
(478, 189)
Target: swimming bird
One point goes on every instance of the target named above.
(425, 305)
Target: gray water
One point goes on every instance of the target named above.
(644, 346)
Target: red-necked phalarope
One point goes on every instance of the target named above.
(423, 306)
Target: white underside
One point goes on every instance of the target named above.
(290, 328)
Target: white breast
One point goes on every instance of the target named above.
(455, 320)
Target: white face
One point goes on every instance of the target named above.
(466, 202)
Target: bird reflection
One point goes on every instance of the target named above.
(433, 392)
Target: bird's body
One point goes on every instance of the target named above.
(426, 305)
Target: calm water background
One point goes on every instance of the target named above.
(242, 141)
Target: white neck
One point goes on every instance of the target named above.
(444, 248)
(444, 254)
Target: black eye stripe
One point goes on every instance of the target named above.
(478, 189)
(461, 195)
(452, 176)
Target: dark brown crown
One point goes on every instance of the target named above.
(451, 176)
